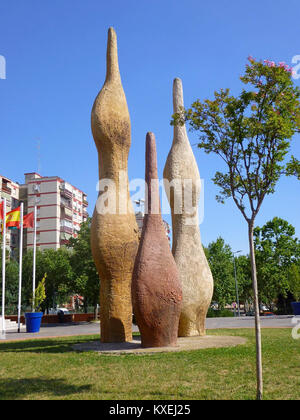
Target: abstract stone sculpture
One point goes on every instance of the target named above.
(195, 275)
(156, 290)
(114, 232)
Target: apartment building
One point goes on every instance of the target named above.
(10, 190)
(61, 208)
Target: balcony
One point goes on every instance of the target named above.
(66, 229)
(64, 241)
(65, 216)
(65, 193)
(85, 203)
(85, 214)
(6, 189)
(67, 204)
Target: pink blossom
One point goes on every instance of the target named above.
(269, 63)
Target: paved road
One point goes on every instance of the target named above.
(86, 328)
(284, 321)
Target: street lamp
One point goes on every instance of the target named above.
(236, 283)
(140, 202)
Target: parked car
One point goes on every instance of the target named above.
(268, 313)
(264, 308)
(264, 313)
(56, 311)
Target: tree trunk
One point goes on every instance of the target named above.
(257, 316)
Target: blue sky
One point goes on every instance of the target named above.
(55, 57)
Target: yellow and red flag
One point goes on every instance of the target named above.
(28, 220)
(13, 218)
(1, 211)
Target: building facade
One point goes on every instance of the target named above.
(61, 208)
(10, 190)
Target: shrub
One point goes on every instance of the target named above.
(219, 313)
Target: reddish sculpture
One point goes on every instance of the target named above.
(156, 290)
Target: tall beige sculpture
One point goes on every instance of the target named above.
(114, 232)
(182, 185)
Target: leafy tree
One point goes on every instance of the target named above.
(293, 167)
(11, 285)
(219, 256)
(57, 265)
(243, 268)
(277, 255)
(294, 281)
(85, 280)
(39, 294)
(27, 267)
(252, 134)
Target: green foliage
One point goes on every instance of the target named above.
(250, 132)
(40, 294)
(57, 265)
(220, 259)
(294, 281)
(243, 268)
(219, 256)
(85, 280)
(278, 259)
(69, 271)
(219, 313)
(12, 285)
(293, 167)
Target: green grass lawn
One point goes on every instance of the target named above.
(50, 369)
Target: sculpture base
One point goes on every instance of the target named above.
(183, 344)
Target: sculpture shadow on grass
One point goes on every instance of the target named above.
(44, 346)
(22, 388)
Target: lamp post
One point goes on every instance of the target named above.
(236, 283)
(140, 202)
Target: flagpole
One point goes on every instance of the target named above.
(20, 266)
(34, 260)
(3, 334)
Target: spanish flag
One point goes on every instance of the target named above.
(1, 211)
(13, 218)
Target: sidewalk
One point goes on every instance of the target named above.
(57, 330)
(280, 321)
(93, 328)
